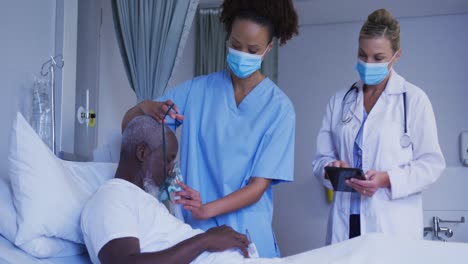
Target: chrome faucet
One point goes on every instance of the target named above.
(436, 229)
(447, 231)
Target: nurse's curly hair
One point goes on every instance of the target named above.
(279, 16)
(381, 23)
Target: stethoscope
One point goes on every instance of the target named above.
(405, 140)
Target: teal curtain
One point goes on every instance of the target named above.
(211, 47)
(151, 36)
(211, 42)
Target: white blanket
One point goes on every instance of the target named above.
(382, 249)
(372, 248)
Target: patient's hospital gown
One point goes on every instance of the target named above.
(121, 209)
(223, 145)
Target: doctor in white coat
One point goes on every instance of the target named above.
(385, 126)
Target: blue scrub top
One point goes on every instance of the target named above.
(224, 145)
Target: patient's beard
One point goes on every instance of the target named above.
(150, 186)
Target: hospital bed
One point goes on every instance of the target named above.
(40, 181)
(372, 248)
(9, 253)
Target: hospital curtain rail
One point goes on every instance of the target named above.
(211, 46)
(151, 35)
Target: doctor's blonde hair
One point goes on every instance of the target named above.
(382, 24)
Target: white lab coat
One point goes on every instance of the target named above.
(411, 170)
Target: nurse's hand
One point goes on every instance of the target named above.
(375, 180)
(158, 109)
(337, 163)
(191, 200)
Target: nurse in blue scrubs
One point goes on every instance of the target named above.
(238, 135)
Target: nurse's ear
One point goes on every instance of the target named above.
(270, 45)
(268, 49)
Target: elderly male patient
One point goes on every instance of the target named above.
(123, 222)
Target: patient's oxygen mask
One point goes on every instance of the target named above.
(176, 176)
(168, 196)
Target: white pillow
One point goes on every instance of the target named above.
(49, 193)
(42, 247)
(8, 214)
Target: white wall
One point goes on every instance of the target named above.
(87, 84)
(27, 28)
(115, 94)
(321, 61)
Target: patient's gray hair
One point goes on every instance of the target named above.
(142, 129)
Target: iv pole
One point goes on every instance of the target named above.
(48, 67)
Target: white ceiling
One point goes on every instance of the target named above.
(336, 11)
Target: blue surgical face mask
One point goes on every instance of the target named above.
(244, 64)
(373, 73)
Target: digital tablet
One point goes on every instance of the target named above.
(338, 177)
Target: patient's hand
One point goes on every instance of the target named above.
(224, 237)
(191, 200)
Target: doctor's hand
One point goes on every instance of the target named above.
(158, 109)
(375, 180)
(337, 163)
(191, 200)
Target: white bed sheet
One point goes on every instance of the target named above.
(383, 249)
(371, 248)
(9, 253)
